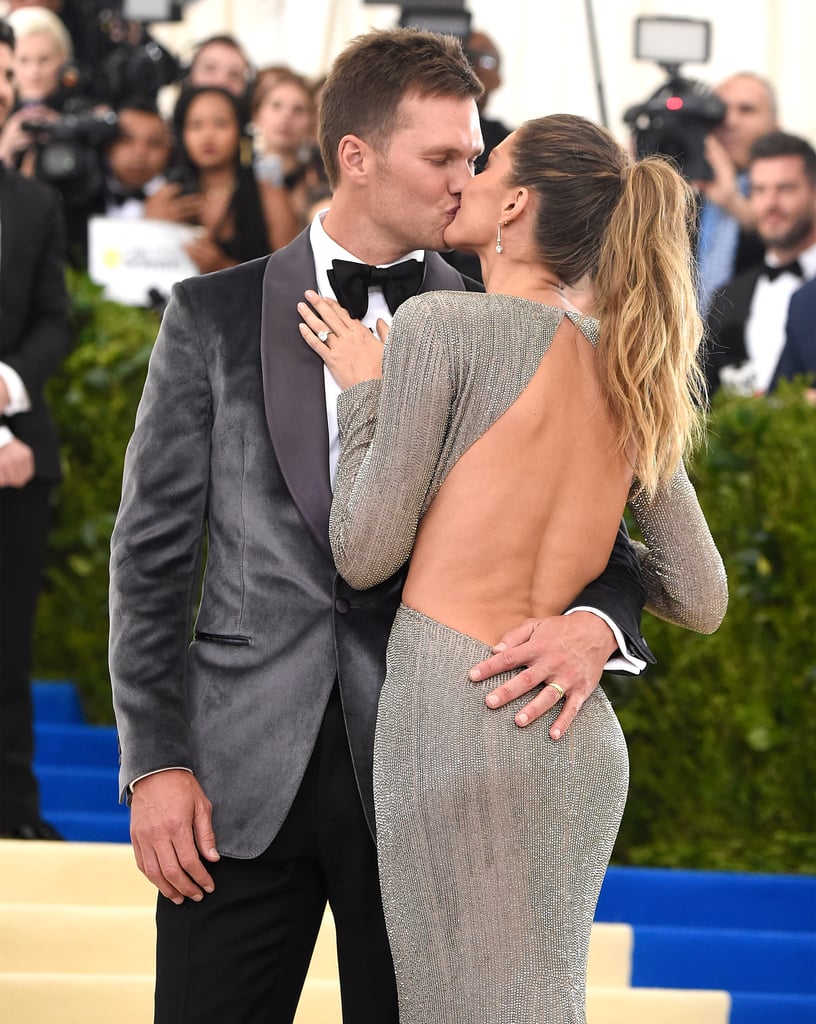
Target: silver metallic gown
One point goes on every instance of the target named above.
(492, 840)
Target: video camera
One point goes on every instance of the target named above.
(69, 153)
(676, 119)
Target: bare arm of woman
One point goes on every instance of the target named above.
(281, 223)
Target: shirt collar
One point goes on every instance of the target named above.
(325, 249)
(807, 260)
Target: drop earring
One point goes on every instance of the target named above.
(499, 246)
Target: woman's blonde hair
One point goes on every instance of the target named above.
(32, 21)
(628, 225)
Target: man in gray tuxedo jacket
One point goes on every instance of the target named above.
(247, 738)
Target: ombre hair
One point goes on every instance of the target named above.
(628, 225)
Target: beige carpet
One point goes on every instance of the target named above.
(77, 936)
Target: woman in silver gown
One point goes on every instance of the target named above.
(498, 451)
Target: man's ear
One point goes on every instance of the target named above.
(353, 157)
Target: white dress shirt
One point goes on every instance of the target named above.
(765, 326)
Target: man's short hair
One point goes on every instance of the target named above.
(776, 144)
(372, 75)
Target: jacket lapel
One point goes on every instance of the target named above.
(440, 276)
(294, 394)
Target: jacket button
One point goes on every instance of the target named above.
(342, 606)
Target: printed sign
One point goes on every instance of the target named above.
(131, 258)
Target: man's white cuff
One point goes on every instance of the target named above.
(622, 661)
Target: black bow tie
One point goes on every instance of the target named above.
(120, 198)
(772, 273)
(351, 281)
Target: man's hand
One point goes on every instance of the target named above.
(14, 139)
(16, 464)
(569, 650)
(171, 830)
(168, 203)
(723, 189)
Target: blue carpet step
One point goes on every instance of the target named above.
(56, 701)
(77, 768)
(708, 899)
(78, 788)
(737, 961)
(778, 1008)
(77, 744)
(91, 828)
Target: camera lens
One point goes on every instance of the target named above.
(60, 160)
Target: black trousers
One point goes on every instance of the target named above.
(240, 956)
(24, 521)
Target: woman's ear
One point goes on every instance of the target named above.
(515, 205)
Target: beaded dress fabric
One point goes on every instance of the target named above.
(492, 840)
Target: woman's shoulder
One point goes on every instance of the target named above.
(459, 307)
(477, 313)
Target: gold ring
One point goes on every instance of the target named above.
(555, 686)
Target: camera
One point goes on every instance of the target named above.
(68, 153)
(124, 61)
(676, 118)
(130, 72)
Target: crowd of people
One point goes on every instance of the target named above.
(237, 155)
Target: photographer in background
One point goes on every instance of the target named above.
(728, 242)
(34, 339)
(43, 47)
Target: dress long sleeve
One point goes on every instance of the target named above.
(392, 432)
(682, 570)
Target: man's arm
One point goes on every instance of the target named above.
(155, 560)
(571, 650)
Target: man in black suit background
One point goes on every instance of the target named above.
(746, 321)
(34, 338)
(799, 354)
(247, 737)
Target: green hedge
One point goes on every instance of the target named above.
(720, 732)
(94, 399)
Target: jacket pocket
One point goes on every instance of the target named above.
(233, 639)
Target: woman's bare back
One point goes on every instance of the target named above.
(528, 514)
